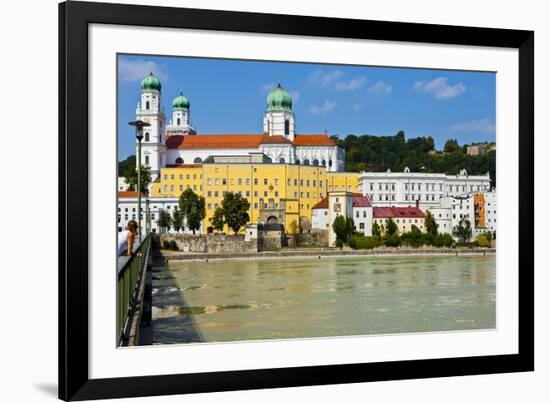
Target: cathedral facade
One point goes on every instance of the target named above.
(176, 142)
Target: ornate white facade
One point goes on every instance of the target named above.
(402, 189)
(178, 143)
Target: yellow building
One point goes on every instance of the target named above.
(275, 192)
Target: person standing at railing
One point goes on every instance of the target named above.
(126, 239)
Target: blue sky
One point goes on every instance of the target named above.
(228, 97)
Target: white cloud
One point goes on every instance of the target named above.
(484, 125)
(351, 85)
(380, 88)
(326, 107)
(295, 95)
(335, 78)
(356, 107)
(131, 71)
(439, 88)
(324, 78)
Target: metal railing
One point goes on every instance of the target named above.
(129, 272)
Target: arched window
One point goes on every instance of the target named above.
(147, 105)
(324, 162)
(315, 162)
(146, 159)
(330, 162)
(282, 160)
(197, 160)
(179, 121)
(179, 161)
(287, 127)
(306, 162)
(146, 137)
(297, 161)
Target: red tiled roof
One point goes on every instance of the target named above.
(128, 194)
(274, 139)
(213, 141)
(242, 140)
(323, 204)
(397, 212)
(361, 201)
(312, 139)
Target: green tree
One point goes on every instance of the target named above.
(193, 209)
(451, 146)
(235, 210)
(350, 228)
(131, 177)
(165, 220)
(376, 232)
(463, 231)
(391, 227)
(177, 219)
(217, 220)
(123, 166)
(340, 228)
(430, 224)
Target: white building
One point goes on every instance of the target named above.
(405, 188)
(459, 207)
(122, 184)
(150, 209)
(178, 143)
(342, 203)
(491, 210)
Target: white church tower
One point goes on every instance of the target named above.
(181, 108)
(153, 146)
(279, 118)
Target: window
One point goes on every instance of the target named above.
(361, 225)
(179, 121)
(306, 162)
(364, 214)
(282, 160)
(287, 127)
(315, 162)
(307, 183)
(146, 159)
(276, 182)
(146, 137)
(265, 182)
(248, 182)
(147, 105)
(197, 160)
(330, 162)
(256, 181)
(276, 193)
(297, 161)
(357, 214)
(224, 182)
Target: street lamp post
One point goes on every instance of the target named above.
(138, 124)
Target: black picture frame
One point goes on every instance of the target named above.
(74, 18)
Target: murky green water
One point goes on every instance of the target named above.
(265, 299)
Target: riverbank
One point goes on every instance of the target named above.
(326, 252)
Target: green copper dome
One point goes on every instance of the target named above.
(151, 83)
(279, 100)
(180, 102)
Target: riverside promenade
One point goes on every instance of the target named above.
(327, 252)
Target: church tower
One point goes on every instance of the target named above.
(181, 108)
(279, 118)
(153, 146)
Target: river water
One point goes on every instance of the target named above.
(235, 300)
